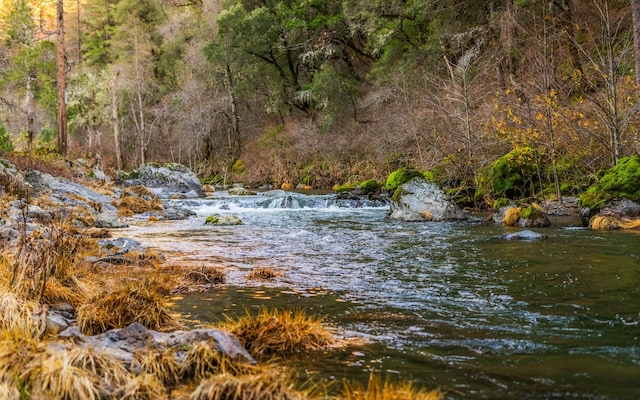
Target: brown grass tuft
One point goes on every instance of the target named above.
(143, 387)
(262, 273)
(206, 276)
(611, 222)
(138, 301)
(9, 391)
(268, 385)
(55, 377)
(387, 390)
(274, 332)
(19, 316)
(511, 216)
(163, 365)
(138, 199)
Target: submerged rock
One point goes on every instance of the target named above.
(419, 200)
(523, 235)
(217, 219)
(176, 213)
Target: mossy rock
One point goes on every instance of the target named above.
(370, 185)
(401, 176)
(347, 187)
(619, 182)
(512, 176)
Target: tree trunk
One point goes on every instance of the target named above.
(635, 10)
(234, 142)
(29, 111)
(61, 83)
(114, 119)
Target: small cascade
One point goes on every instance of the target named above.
(277, 200)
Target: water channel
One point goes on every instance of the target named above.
(449, 305)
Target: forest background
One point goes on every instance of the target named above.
(325, 92)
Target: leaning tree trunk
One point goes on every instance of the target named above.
(61, 82)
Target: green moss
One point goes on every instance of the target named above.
(621, 181)
(212, 219)
(501, 202)
(401, 176)
(514, 175)
(531, 213)
(347, 187)
(370, 185)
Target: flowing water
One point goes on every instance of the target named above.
(449, 305)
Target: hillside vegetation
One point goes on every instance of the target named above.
(325, 92)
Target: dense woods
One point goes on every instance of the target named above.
(322, 92)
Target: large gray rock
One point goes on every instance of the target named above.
(170, 180)
(68, 193)
(523, 235)
(110, 220)
(420, 200)
(136, 339)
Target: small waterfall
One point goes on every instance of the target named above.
(277, 199)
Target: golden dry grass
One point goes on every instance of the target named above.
(511, 216)
(206, 276)
(56, 377)
(274, 332)
(268, 385)
(19, 316)
(163, 365)
(262, 273)
(137, 301)
(378, 390)
(138, 199)
(143, 387)
(610, 222)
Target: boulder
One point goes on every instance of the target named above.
(110, 220)
(240, 191)
(524, 216)
(217, 219)
(165, 181)
(419, 200)
(134, 339)
(176, 213)
(69, 194)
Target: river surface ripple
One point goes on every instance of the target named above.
(448, 305)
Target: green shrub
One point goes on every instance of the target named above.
(6, 144)
(512, 176)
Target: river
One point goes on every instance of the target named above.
(449, 304)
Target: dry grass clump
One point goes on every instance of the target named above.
(163, 365)
(139, 301)
(511, 216)
(202, 360)
(138, 199)
(262, 273)
(206, 276)
(143, 387)
(268, 385)
(9, 391)
(274, 332)
(387, 390)
(610, 222)
(56, 377)
(19, 316)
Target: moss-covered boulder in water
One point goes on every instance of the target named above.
(401, 176)
(619, 182)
